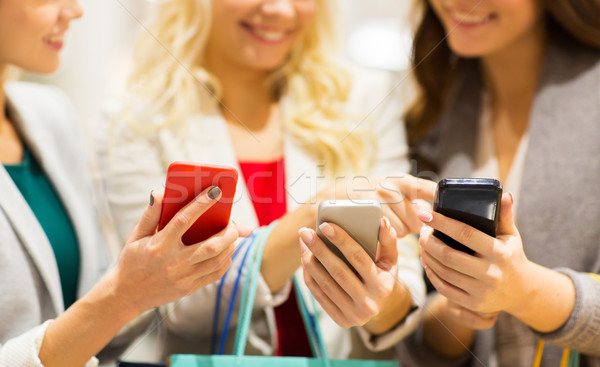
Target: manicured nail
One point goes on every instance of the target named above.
(512, 199)
(327, 230)
(423, 231)
(214, 192)
(386, 222)
(151, 198)
(307, 236)
(423, 262)
(424, 216)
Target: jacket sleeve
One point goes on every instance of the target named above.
(581, 331)
(23, 350)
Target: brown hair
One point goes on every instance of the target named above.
(435, 66)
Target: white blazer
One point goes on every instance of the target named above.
(135, 163)
(30, 291)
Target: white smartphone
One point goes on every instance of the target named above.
(359, 218)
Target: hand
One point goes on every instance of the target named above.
(377, 299)
(401, 197)
(467, 318)
(156, 267)
(495, 279)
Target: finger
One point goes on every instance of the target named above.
(422, 205)
(474, 320)
(461, 232)
(506, 223)
(412, 187)
(402, 207)
(243, 230)
(323, 279)
(326, 303)
(401, 228)
(446, 289)
(184, 218)
(450, 276)
(453, 259)
(147, 224)
(387, 250)
(224, 241)
(331, 265)
(352, 251)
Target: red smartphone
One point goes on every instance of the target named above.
(185, 180)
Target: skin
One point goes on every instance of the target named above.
(499, 278)
(510, 43)
(243, 62)
(154, 267)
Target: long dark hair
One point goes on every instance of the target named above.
(436, 66)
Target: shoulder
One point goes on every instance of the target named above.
(42, 107)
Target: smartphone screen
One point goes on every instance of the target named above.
(474, 201)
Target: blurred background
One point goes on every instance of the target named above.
(97, 61)
(97, 54)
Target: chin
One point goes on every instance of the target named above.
(467, 51)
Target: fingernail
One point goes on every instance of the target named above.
(423, 231)
(214, 192)
(306, 235)
(327, 230)
(424, 216)
(512, 199)
(423, 262)
(386, 222)
(151, 198)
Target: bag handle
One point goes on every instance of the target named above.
(570, 358)
(249, 292)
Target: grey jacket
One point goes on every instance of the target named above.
(30, 290)
(558, 209)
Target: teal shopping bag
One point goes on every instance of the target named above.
(241, 334)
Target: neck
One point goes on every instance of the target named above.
(246, 94)
(3, 117)
(512, 76)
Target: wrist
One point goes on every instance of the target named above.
(108, 293)
(395, 309)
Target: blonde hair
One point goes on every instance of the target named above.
(174, 84)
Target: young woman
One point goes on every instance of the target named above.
(509, 89)
(51, 251)
(256, 85)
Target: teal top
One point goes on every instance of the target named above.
(52, 216)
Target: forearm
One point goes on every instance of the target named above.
(442, 333)
(281, 257)
(86, 327)
(549, 300)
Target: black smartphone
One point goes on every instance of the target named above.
(474, 201)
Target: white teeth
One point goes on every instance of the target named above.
(472, 19)
(269, 36)
(55, 39)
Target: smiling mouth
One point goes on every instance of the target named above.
(470, 19)
(266, 35)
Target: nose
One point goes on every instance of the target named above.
(72, 10)
(279, 7)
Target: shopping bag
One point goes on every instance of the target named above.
(241, 334)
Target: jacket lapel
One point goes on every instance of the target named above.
(28, 228)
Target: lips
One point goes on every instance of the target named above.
(470, 18)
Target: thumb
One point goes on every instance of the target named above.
(506, 223)
(148, 223)
(387, 251)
